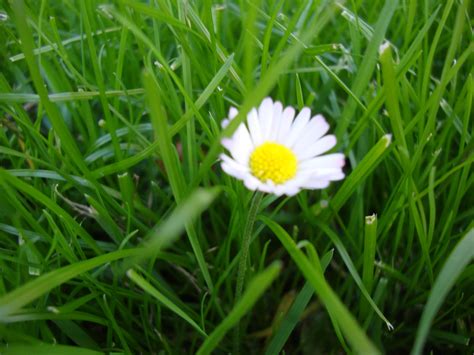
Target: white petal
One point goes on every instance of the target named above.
(277, 118)
(233, 112)
(233, 171)
(254, 127)
(268, 187)
(285, 123)
(329, 161)
(298, 127)
(317, 148)
(243, 145)
(289, 189)
(225, 122)
(335, 176)
(251, 182)
(227, 143)
(265, 115)
(233, 164)
(316, 184)
(240, 145)
(315, 129)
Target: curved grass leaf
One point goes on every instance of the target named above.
(254, 290)
(353, 271)
(293, 316)
(147, 287)
(346, 321)
(16, 299)
(462, 254)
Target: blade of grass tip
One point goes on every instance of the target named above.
(173, 168)
(299, 93)
(147, 287)
(370, 242)
(21, 296)
(255, 289)
(103, 218)
(46, 349)
(352, 269)
(462, 255)
(60, 127)
(295, 312)
(391, 95)
(346, 321)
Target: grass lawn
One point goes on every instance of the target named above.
(121, 233)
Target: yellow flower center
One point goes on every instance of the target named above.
(273, 161)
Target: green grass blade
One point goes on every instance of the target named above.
(359, 174)
(352, 269)
(35, 194)
(292, 318)
(391, 94)
(462, 255)
(147, 287)
(370, 242)
(349, 326)
(254, 290)
(184, 214)
(52, 111)
(368, 64)
(46, 349)
(66, 96)
(172, 166)
(16, 299)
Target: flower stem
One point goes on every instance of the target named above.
(246, 238)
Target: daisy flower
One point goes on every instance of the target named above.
(275, 152)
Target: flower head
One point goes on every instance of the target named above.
(277, 153)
